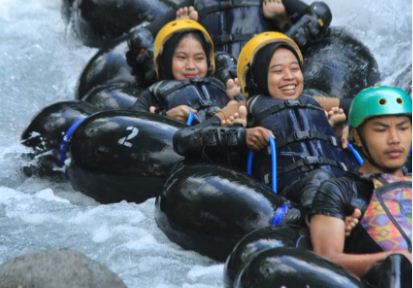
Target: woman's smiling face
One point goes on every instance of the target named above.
(285, 79)
(189, 59)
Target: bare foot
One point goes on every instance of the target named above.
(233, 113)
(273, 9)
(337, 119)
(152, 109)
(336, 116)
(238, 118)
(233, 88)
(187, 13)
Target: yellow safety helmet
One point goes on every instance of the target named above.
(181, 25)
(250, 49)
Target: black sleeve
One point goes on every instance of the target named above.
(345, 104)
(187, 141)
(295, 9)
(170, 15)
(334, 198)
(210, 142)
(144, 102)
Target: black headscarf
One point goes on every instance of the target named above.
(165, 59)
(257, 75)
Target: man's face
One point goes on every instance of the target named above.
(388, 140)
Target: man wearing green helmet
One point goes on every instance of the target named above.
(379, 247)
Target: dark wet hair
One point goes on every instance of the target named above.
(165, 59)
(257, 75)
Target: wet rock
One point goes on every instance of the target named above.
(64, 268)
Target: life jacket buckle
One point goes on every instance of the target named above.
(197, 80)
(291, 103)
(226, 38)
(334, 141)
(300, 135)
(343, 166)
(311, 160)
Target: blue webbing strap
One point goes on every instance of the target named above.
(273, 148)
(66, 139)
(356, 154)
(279, 214)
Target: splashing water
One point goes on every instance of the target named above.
(40, 66)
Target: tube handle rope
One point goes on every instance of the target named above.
(190, 118)
(65, 140)
(273, 149)
(280, 212)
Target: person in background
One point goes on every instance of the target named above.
(232, 24)
(185, 63)
(379, 247)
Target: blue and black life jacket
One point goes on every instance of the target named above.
(232, 23)
(207, 95)
(305, 139)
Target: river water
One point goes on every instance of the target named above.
(39, 65)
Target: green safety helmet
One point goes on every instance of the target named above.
(378, 101)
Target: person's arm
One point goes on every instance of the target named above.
(144, 102)
(327, 237)
(329, 103)
(295, 9)
(311, 26)
(180, 113)
(284, 12)
(192, 141)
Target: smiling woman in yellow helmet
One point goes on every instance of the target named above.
(183, 40)
(258, 63)
(308, 151)
(184, 63)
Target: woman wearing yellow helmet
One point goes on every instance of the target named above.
(184, 63)
(308, 151)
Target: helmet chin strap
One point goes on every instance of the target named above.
(366, 154)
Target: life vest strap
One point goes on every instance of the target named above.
(230, 38)
(156, 91)
(299, 136)
(305, 164)
(279, 107)
(229, 4)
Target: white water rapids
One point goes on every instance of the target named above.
(39, 65)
